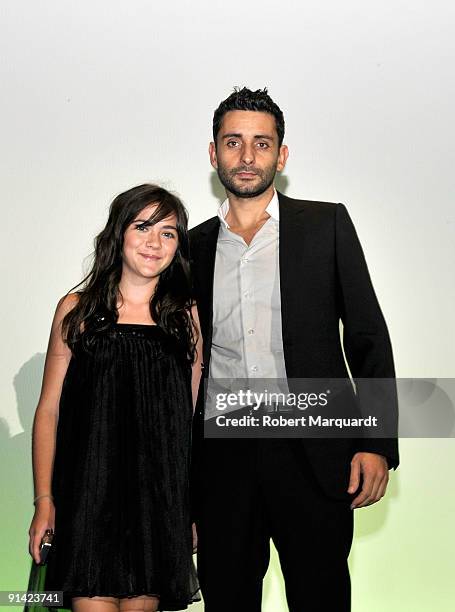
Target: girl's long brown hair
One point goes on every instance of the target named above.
(170, 305)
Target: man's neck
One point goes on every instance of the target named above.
(248, 212)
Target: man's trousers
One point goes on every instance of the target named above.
(253, 490)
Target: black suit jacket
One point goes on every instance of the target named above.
(323, 278)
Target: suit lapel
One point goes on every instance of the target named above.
(291, 243)
(205, 272)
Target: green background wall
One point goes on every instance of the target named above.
(99, 96)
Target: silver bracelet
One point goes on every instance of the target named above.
(43, 495)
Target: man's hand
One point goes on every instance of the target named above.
(375, 473)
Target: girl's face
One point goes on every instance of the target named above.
(149, 250)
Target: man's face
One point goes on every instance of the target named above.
(247, 155)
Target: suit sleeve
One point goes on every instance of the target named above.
(366, 339)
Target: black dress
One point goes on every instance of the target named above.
(120, 480)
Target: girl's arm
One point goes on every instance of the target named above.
(197, 364)
(45, 426)
(195, 380)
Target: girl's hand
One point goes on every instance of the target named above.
(44, 518)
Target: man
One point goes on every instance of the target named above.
(273, 276)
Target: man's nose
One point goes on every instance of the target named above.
(248, 154)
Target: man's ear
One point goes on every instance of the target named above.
(282, 158)
(212, 154)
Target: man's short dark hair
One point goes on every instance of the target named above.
(246, 100)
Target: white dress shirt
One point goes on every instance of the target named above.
(247, 339)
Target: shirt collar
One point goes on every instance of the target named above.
(272, 209)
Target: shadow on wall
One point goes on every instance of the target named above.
(16, 480)
(217, 189)
(426, 411)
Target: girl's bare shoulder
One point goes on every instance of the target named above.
(67, 303)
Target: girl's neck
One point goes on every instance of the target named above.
(136, 294)
(133, 304)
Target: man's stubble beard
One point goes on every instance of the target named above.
(267, 177)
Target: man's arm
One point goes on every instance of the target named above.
(368, 352)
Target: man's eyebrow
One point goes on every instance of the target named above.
(256, 136)
(263, 137)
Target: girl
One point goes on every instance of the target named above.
(121, 377)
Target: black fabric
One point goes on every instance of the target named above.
(252, 491)
(120, 480)
(324, 278)
(236, 500)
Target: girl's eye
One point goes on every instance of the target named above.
(168, 234)
(141, 227)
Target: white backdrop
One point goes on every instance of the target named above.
(99, 96)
